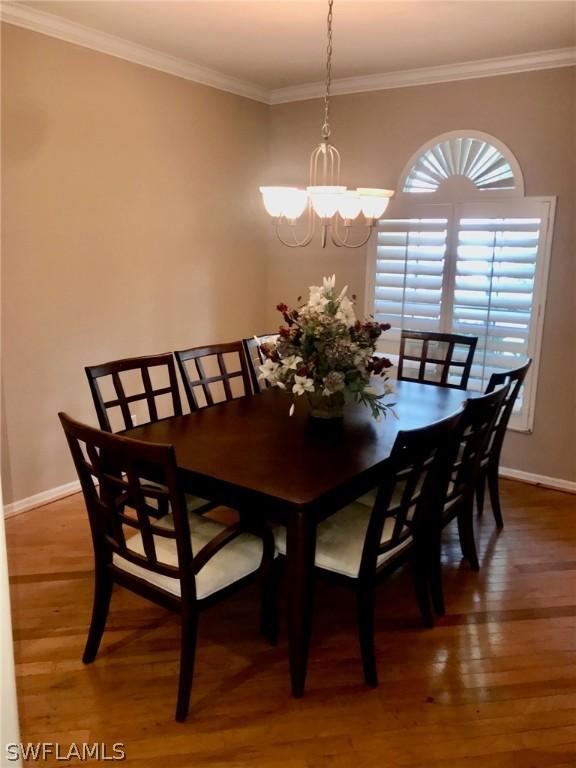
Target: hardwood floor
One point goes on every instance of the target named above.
(493, 685)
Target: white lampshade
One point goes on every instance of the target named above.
(295, 201)
(349, 205)
(284, 201)
(374, 201)
(326, 200)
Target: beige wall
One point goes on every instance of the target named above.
(131, 225)
(378, 132)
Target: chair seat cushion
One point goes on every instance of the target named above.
(340, 540)
(193, 503)
(237, 559)
(369, 499)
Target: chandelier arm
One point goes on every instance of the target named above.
(336, 237)
(343, 242)
(298, 243)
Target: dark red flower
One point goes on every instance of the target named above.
(282, 307)
(377, 365)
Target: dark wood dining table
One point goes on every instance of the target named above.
(250, 454)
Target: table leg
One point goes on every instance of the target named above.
(300, 547)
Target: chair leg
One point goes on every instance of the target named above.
(102, 596)
(420, 575)
(494, 490)
(365, 613)
(188, 633)
(480, 493)
(466, 534)
(269, 604)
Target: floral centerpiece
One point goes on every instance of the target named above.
(325, 352)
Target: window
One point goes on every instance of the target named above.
(472, 260)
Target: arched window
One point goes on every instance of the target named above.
(475, 161)
(464, 251)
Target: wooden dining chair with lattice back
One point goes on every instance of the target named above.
(490, 463)
(255, 358)
(138, 389)
(478, 418)
(183, 562)
(207, 375)
(134, 373)
(443, 359)
(365, 542)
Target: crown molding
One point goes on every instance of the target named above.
(87, 37)
(507, 65)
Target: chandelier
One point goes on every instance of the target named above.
(325, 199)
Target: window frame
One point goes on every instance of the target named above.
(410, 206)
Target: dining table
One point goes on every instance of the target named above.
(251, 454)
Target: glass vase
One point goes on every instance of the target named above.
(326, 406)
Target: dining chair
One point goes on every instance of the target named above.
(255, 358)
(490, 463)
(182, 561)
(125, 385)
(478, 418)
(361, 543)
(443, 359)
(154, 379)
(207, 377)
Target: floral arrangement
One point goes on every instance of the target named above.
(325, 352)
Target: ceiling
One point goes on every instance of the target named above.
(278, 43)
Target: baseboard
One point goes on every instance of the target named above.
(40, 499)
(61, 491)
(557, 483)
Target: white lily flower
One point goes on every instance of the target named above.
(329, 283)
(346, 312)
(389, 388)
(317, 300)
(292, 362)
(302, 384)
(268, 370)
(370, 391)
(342, 293)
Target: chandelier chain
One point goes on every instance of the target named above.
(326, 126)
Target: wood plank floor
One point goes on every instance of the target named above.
(493, 685)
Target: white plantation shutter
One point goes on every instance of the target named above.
(472, 158)
(408, 283)
(476, 268)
